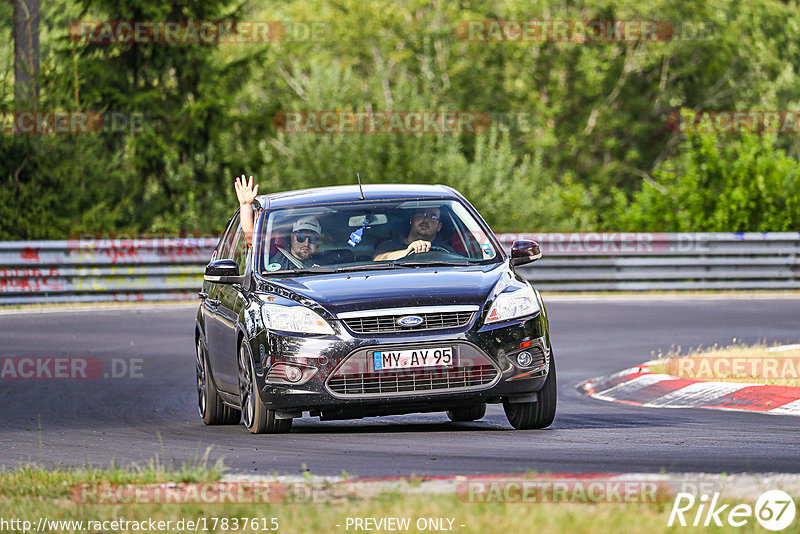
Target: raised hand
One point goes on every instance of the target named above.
(246, 194)
(245, 191)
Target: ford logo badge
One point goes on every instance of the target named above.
(410, 320)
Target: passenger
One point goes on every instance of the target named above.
(305, 236)
(425, 226)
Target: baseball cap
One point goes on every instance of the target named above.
(307, 223)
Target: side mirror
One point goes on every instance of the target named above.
(524, 251)
(223, 272)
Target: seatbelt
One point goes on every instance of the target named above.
(291, 258)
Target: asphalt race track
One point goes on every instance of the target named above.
(134, 419)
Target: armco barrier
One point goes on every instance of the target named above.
(159, 269)
(91, 270)
(661, 261)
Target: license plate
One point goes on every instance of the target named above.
(410, 359)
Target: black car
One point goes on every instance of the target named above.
(331, 313)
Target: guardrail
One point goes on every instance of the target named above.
(664, 261)
(96, 270)
(171, 268)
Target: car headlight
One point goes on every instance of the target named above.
(511, 305)
(294, 319)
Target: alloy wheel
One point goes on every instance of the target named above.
(200, 367)
(246, 387)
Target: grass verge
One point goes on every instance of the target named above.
(29, 494)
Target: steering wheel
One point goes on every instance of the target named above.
(434, 248)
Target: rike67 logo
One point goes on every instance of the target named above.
(774, 510)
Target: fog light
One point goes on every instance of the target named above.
(524, 358)
(293, 374)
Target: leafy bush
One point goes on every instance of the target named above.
(719, 183)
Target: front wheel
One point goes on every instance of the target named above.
(257, 418)
(539, 414)
(209, 404)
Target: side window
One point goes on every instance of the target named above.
(226, 244)
(240, 250)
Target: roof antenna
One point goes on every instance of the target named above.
(359, 186)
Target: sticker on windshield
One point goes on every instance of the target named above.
(273, 267)
(488, 251)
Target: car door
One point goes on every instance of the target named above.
(218, 352)
(232, 299)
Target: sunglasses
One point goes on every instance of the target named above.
(312, 239)
(426, 215)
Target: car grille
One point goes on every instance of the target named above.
(413, 380)
(378, 324)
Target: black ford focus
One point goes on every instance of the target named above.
(352, 303)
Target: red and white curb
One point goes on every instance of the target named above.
(641, 387)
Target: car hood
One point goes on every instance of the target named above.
(425, 286)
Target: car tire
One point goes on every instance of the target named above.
(469, 413)
(539, 414)
(255, 415)
(212, 410)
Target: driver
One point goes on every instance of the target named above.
(305, 238)
(425, 226)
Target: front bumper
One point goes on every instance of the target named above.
(492, 348)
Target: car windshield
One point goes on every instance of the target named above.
(371, 235)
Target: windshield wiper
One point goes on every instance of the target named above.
(433, 263)
(402, 265)
(317, 270)
(367, 267)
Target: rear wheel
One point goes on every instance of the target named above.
(469, 413)
(257, 418)
(209, 404)
(539, 414)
